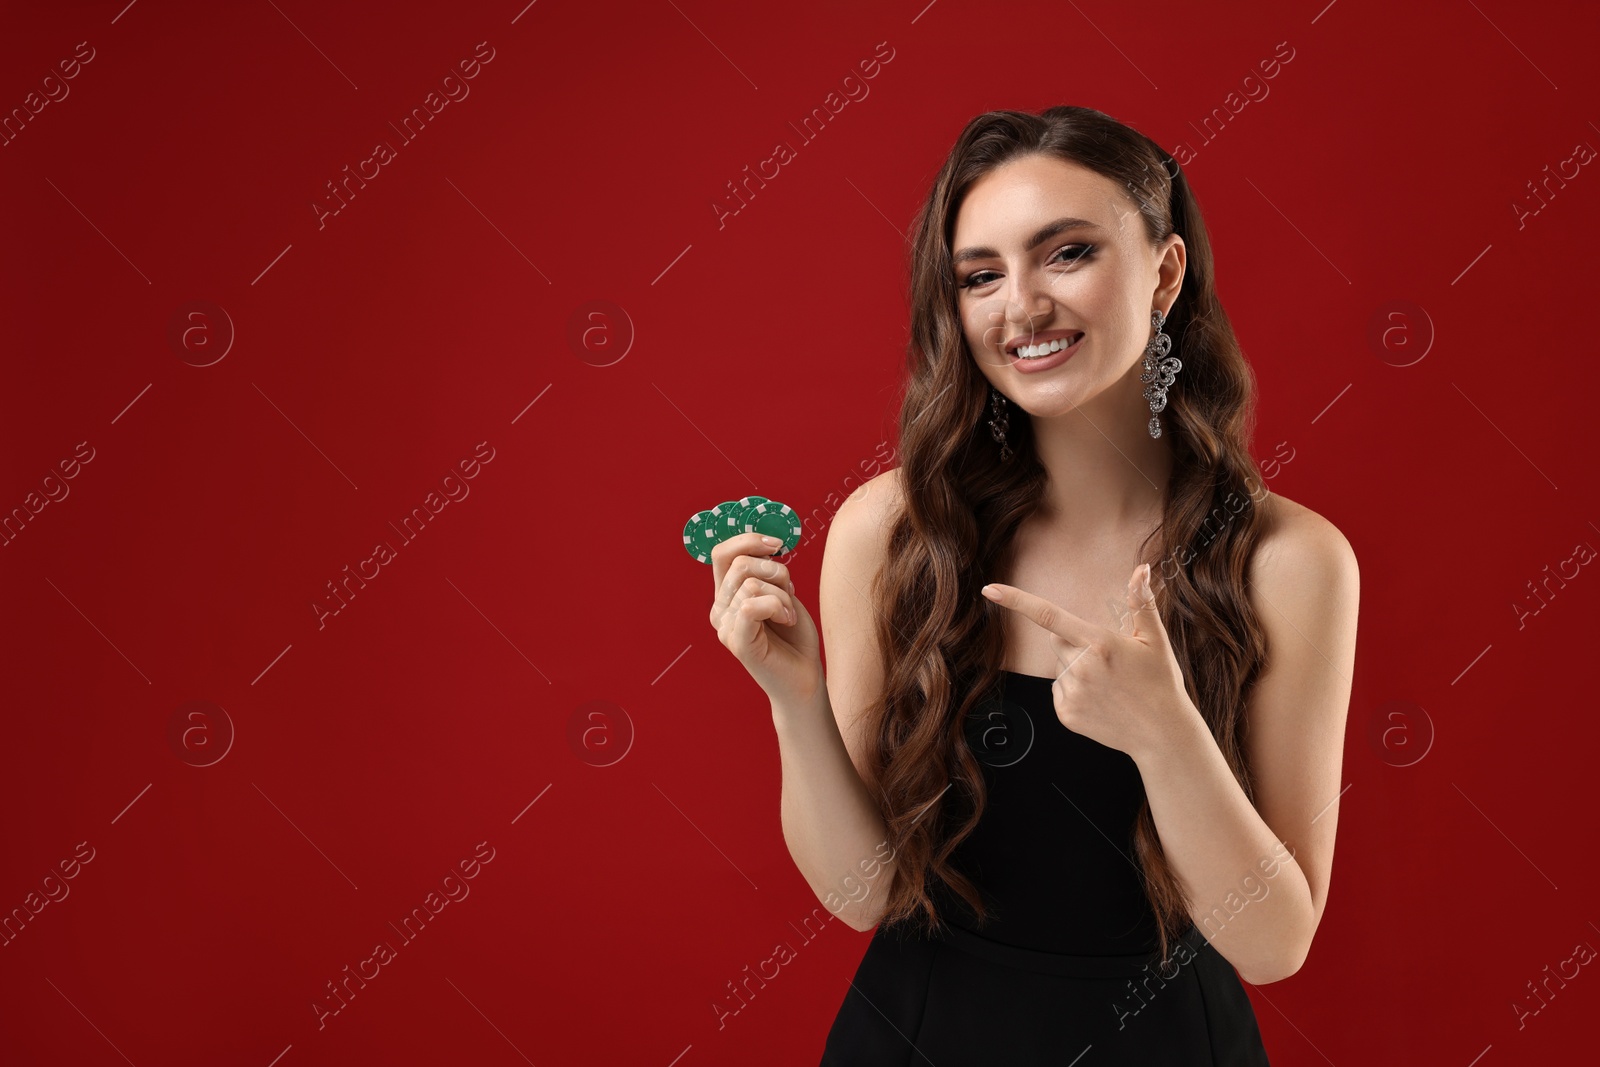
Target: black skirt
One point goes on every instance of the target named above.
(961, 1000)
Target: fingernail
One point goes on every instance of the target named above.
(771, 542)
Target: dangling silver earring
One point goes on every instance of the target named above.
(1159, 370)
(999, 422)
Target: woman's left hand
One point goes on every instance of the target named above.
(1123, 690)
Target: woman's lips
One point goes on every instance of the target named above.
(1044, 363)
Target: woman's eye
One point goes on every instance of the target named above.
(1071, 253)
(1083, 252)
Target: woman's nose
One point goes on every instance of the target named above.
(1028, 299)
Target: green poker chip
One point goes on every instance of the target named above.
(775, 519)
(730, 518)
(701, 534)
(744, 505)
(743, 512)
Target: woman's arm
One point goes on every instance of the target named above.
(1260, 902)
(830, 822)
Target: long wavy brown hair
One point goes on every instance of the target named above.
(943, 642)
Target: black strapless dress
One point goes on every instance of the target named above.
(1067, 971)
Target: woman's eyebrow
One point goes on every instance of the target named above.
(1043, 234)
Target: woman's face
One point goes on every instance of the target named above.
(1091, 271)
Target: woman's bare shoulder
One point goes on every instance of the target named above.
(882, 495)
(1295, 535)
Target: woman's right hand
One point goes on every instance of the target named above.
(762, 622)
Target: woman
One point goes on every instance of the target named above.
(1076, 753)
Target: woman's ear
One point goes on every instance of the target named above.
(1171, 267)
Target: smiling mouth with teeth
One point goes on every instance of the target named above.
(1041, 350)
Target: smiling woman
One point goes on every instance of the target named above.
(1067, 792)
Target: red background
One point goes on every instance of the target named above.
(437, 310)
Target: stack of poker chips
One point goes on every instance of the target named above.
(750, 514)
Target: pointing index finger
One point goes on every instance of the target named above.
(1059, 621)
